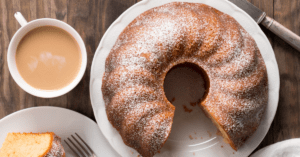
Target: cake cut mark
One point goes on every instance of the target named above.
(155, 133)
(133, 125)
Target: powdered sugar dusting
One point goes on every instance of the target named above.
(169, 35)
(156, 132)
(57, 149)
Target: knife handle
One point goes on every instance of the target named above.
(281, 31)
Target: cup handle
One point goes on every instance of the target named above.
(20, 18)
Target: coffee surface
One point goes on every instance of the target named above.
(48, 58)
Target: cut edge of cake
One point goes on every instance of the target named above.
(13, 141)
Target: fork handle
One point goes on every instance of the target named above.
(281, 31)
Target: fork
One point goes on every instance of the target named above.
(86, 154)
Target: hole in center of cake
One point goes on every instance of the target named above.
(185, 86)
(187, 83)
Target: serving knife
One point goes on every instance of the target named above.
(261, 18)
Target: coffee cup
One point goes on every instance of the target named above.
(19, 35)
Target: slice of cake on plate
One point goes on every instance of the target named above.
(32, 145)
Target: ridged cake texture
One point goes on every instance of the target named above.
(169, 35)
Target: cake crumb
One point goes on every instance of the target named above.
(158, 151)
(233, 153)
(138, 156)
(187, 109)
(172, 100)
(195, 137)
(191, 137)
(209, 133)
(193, 103)
(222, 146)
(195, 133)
(194, 153)
(201, 137)
(131, 151)
(219, 133)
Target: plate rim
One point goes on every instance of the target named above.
(281, 144)
(119, 19)
(42, 107)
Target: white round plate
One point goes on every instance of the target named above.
(287, 148)
(62, 122)
(192, 134)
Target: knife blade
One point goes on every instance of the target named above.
(257, 14)
(260, 17)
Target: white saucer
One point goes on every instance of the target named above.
(192, 134)
(287, 148)
(62, 122)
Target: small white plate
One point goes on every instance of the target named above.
(287, 148)
(192, 134)
(62, 122)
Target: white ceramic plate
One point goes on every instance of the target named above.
(203, 140)
(62, 122)
(287, 148)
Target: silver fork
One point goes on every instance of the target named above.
(86, 153)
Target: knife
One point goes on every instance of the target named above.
(261, 18)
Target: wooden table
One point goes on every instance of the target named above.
(91, 18)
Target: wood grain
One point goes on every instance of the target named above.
(287, 119)
(286, 123)
(91, 18)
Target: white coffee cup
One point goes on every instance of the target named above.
(11, 55)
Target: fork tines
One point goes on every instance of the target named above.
(78, 150)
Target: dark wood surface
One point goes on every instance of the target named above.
(91, 18)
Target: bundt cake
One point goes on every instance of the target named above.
(32, 145)
(173, 34)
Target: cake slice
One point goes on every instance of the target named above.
(32, 145)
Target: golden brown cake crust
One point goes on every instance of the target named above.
(176, 33)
